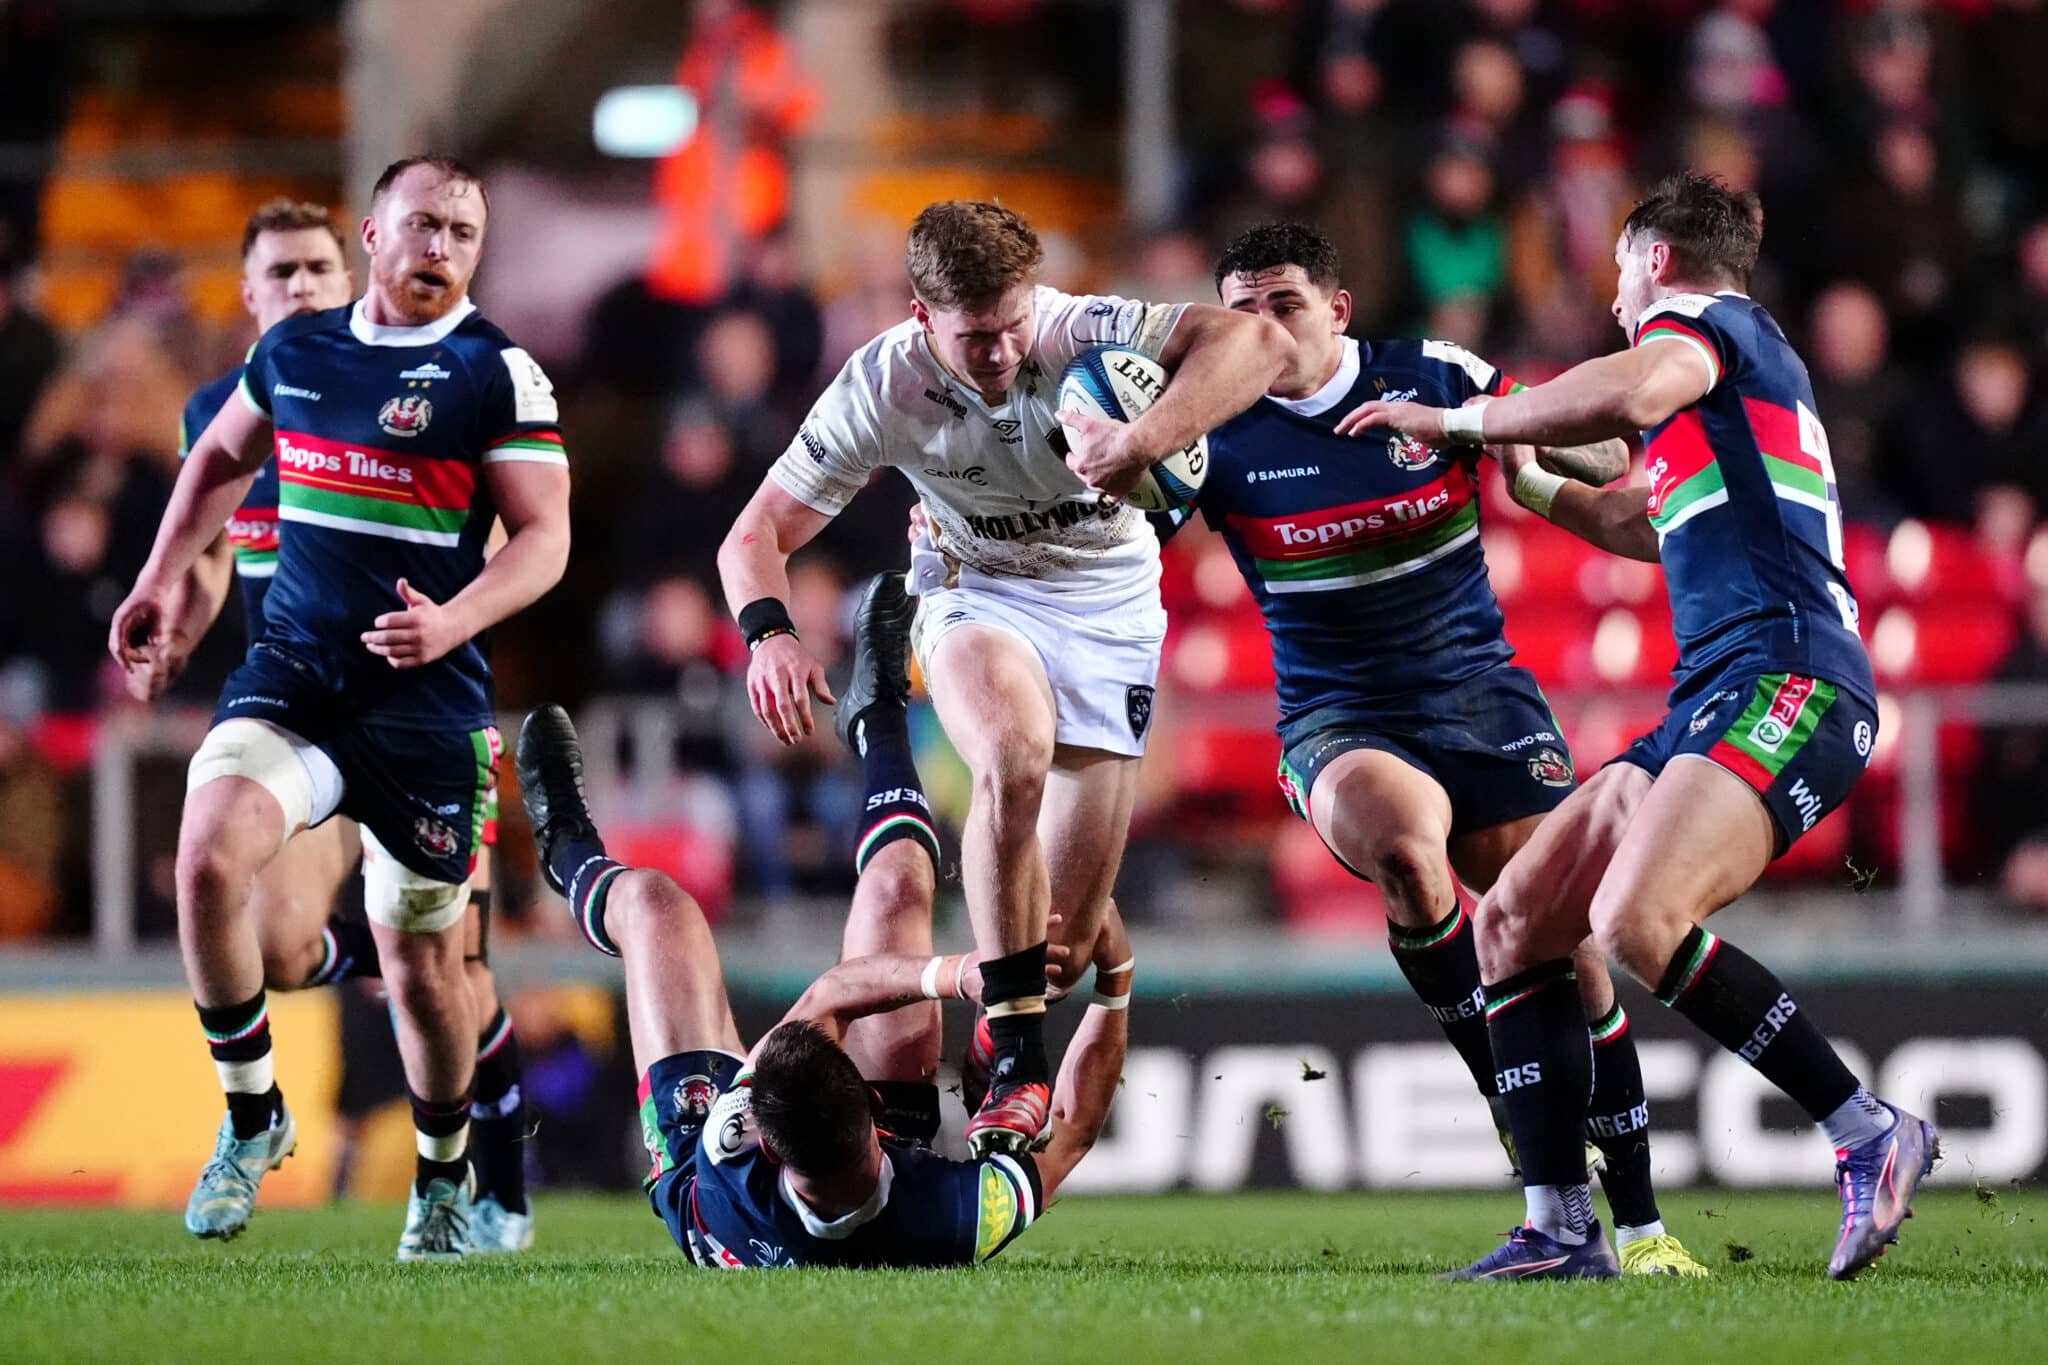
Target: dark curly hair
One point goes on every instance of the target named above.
(1272, 245)
(1714, 232)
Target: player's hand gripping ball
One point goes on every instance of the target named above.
(1118, 383)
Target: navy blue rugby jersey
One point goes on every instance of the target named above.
(928, 1210)
(1743, 497)
(252, 531)
(1362, 552)
(382, 434)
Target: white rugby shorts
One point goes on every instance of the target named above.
(1103, 664)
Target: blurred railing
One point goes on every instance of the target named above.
(629, 744)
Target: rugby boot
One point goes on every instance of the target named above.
(1013, 1119)
(881, 654)
(437, 1223)
(1877, 1180)
(495, 1229)
(226, 1192)
(1529, 1255)
(550, 765)
(977, 1066)
(1660, 1255)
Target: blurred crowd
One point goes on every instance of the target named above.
(1472, 158)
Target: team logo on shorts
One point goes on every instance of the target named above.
(693, 1097)
(1786, 704)
(407, 415)
(434, 836)
(1864, 738)
(1408, 454)
(1551, 767)
(1138, 709)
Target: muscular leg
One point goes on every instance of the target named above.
(232, 826)
(675, 988)
(1082, 826)
(892, 913)
(1700, 839)
(1618, 1116)
(291, 902)
(1389, 821)
(997, 707)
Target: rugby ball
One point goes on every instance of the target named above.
(1120, 383)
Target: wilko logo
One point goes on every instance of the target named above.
(1776, 726)
(407, 415)
(1808, 802)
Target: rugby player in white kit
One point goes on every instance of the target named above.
(1039, 625)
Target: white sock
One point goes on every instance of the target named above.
(1562, 1213)
(449, 1148)
(1624, 1234)
(248, 1078)
(1859, 1119)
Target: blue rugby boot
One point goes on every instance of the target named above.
(1529, 1255)
(1877, 1180)
(226, 1193)
(437, 1222)
(496, 1230)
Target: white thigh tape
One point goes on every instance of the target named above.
(295, 771)
(399, 898)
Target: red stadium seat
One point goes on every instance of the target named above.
(1221, 655)
(1929, 561)
(1315, 892)
(1955, 640)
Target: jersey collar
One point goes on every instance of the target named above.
(377, 334)
(1330, 394)
(844, 1226)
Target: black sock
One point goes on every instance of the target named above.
(1618, 1122)
(1738, 1003)
(1013, 990)
(910, 1109)
(238, 1036)
(497, 1114)
(1442, 965)
(894, 805)
(582, 867)
(1544, 1070)
(441, 1131)
(351, 951)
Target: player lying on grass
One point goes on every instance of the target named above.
(1410, 741)
(1773, 717)
(294, 264)
(774, 1157)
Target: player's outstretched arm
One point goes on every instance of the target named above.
(753, 566)
(1597, 400)
(1615, 519)
(532, 498)
(1598, 463)
(1093, 1069)
(1221, 362)
(212, 482)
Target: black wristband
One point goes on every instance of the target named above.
(763, 618)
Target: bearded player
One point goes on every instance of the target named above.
(1410, 741)
(1039, 626)
(1773, 716)
(294, 263)
(403, 426)
(791, 1154)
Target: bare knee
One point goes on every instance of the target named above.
(1640, 935)
(213, 877)
(1009, 779)
(285, 968)
(892, 907)
(643, 900)
(1500, 929)
(1410, 870)
(424, 976)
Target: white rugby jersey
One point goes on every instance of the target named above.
(1001, 499)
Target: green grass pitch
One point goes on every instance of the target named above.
(1254, 1278)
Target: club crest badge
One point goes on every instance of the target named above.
(1551, 767)
(1408, 454)
(406, 415)
(1138, 709)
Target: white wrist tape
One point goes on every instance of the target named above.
(1536, 488)
(1113, 1002)
(928, 984)
(1466, 426)
(1109, 1002)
